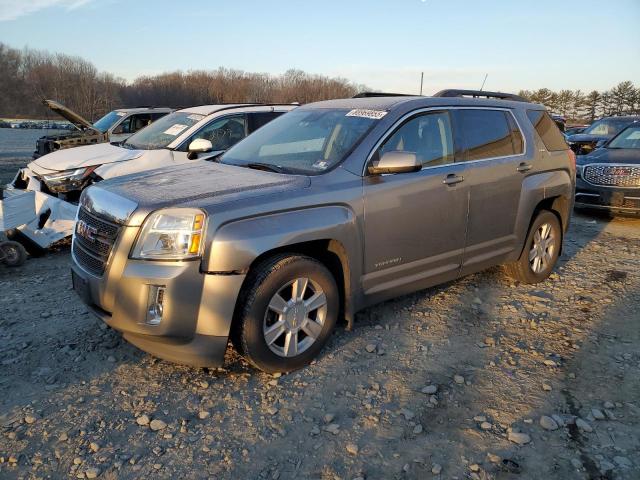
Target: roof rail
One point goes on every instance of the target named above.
(479, 93)
(381, 94)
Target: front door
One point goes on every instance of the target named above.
(223, 133)
(415, 222)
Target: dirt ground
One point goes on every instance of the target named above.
(480, 378)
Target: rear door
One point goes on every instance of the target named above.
(415, 222)
(493, 152)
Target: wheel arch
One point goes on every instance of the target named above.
(328, 234)
(332, 254)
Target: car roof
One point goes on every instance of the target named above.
(391, 102)
(144, 109)
(209, 109)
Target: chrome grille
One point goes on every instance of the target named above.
(613, 175)
(93, 240)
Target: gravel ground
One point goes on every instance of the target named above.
(480, 378)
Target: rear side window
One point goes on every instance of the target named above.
(547, 130)
(484, 134)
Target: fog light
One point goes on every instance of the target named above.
(155, 305)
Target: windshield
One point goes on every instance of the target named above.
(629, 138)
(106, 122)
(608, 127)
(304, 141)
(163, 131)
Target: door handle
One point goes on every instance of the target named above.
(524, 167)
(452, 179)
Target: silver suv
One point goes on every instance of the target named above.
(328, 209)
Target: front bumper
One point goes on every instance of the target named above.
(607, 198)
(197, 314)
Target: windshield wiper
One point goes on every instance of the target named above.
(265, 166)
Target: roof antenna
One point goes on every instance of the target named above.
(421, 81)
(485, 79)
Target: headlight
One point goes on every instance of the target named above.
(171, 234)
(68, 180)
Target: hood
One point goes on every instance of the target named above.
(610, 155)
(197, 184)
(587, 138)
(87, 156)
(70, 115)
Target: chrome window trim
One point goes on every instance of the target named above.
(407, 115)
(608, 165)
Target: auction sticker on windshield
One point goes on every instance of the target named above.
(364, 113)
(175, 129)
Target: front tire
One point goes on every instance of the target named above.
(541, 250)
(286, 313)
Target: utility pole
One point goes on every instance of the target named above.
(421, 81)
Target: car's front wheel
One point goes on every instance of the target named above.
(541, 250)
(286, 313)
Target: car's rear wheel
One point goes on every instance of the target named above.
(286, 313)
(541, 250)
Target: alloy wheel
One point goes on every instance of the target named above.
(295, 317)
(542, 249)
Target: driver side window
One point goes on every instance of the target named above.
(429, 136)
(223, 133)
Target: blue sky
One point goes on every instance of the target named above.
(383, 44)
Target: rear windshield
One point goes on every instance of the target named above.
(548, 130)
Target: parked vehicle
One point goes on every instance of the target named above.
(574, 129)
(598, 133)
(59, 177)
(335, 206)
(115, 126)
(12, 254)
(561, 122)
(609, 178)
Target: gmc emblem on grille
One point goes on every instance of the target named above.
(86, 231)
(620, 171)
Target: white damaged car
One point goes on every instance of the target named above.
(55, 181)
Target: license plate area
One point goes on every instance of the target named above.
(82, 288)
(617, 199)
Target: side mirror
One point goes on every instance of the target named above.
(395, 162)
(601, 143)
(199, 145)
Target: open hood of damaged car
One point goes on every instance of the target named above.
(86, 156)
(75, 118)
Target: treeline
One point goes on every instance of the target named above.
(28, 76)
(575, 105)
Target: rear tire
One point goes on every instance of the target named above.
(541, 250)
(285, 313)
(14, 254)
